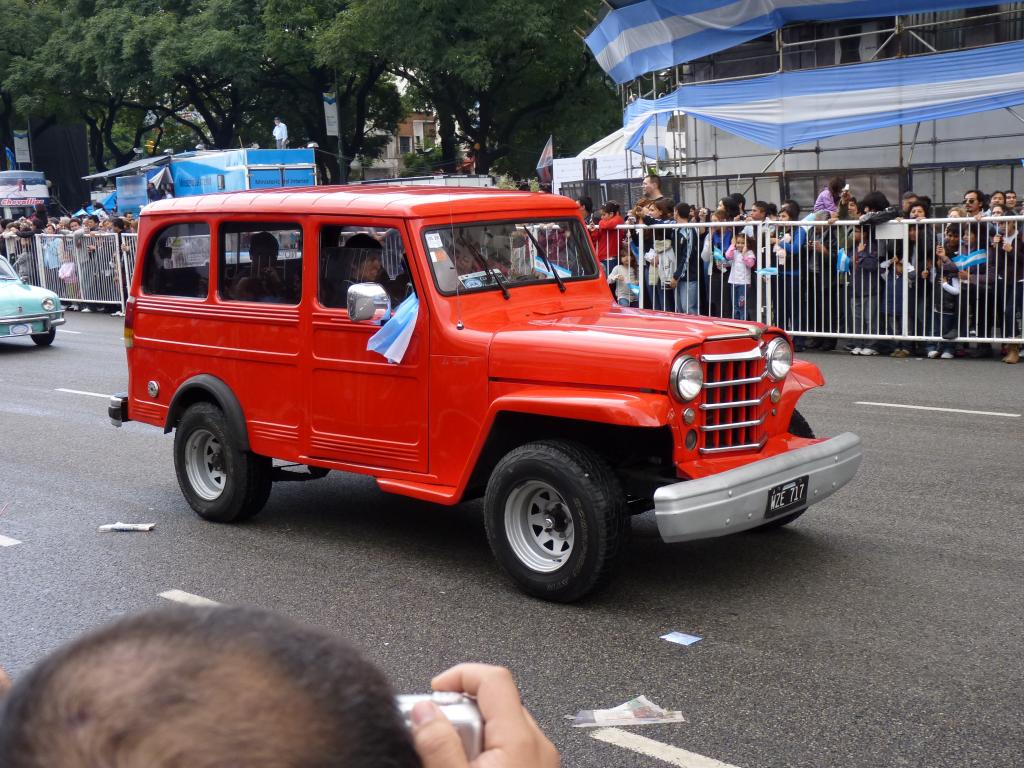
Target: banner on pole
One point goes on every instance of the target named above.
(21, 149)
(331, 114)
(544, 164)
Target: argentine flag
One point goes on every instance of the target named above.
(972, 259)
(716, 252)
(392, 340)
(540, 266)
(842, 261)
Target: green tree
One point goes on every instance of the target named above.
(492, 69)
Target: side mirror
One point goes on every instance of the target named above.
(368, 302)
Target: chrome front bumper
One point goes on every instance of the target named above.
(736, 500)
(50, 319)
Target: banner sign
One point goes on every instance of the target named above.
(21, 150)
(331, 114)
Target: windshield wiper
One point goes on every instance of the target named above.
(544, 257)
(491, 271)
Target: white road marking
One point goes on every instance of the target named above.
(186, 597)
(8, 542)
(80, 392)
(944, 410)
(651, 748)
(61, 330)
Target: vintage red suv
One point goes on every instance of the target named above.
(254, 331)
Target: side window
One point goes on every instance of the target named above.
(178, 262)
(261, 262)
(351, 255)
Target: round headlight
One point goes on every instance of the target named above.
(779, 358)
(687, 378)
(49, 304)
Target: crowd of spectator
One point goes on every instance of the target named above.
(827, 273)
(71, 259)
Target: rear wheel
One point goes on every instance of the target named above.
(45, 339)
(222, 482)
(797, 426)
(555, 518)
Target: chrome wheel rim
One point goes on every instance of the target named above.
(204, 464)
(538, 526)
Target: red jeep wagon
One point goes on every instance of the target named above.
(258, 325)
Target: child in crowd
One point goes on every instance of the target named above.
(741, 258)
(607, 237)
(623, 280)
(865, 290)
(893, 273)
(941, 277)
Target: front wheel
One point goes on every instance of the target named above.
(797, 426)
(45, 339)
(222, 482)
(556, 518)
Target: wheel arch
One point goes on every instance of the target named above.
(615, 442)
(209, 389)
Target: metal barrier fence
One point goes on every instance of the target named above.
(90, 270)
(933, 281)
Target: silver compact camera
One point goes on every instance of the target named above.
(460, 710)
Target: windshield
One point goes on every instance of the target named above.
(6, 271)
(474, 257)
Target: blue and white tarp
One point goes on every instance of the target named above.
(792, 108)
(650, 35)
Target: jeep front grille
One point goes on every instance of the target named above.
(735, 402)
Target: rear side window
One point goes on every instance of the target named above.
(261, 262)
(178, 262)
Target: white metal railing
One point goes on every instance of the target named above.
(87, 269)
(937, 281)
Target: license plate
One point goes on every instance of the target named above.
(21, 329)
(786, 497)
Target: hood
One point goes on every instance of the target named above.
(14, 294)
(614, 346)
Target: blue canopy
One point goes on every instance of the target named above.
(792, 108)
(650, 35)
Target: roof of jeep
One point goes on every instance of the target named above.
(369, 200)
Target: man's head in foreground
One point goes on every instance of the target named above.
(202, 687)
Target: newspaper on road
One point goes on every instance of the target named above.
(126, 527)
(638, 711)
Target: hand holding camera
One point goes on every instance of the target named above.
(511, 738)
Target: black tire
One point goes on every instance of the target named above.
(317, 473)
(590, 499)
(244, 484)
(44, 339)
(797, 426)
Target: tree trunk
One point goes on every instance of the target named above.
(449, 146)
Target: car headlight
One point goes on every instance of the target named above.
(49, 304)
(686, 378)
(779, 358)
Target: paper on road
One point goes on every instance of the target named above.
(638, 711)
(127, 526)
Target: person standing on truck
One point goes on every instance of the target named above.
(280, 134)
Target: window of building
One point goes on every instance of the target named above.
(261, 262)
(405, 144)
(178, 262)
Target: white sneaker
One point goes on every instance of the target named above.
(946, 355)
(932, 354)
(856, 351)
(868, 351)
(87, 310)
(119, 313)
(73, 307)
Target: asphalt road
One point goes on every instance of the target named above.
(882, 629)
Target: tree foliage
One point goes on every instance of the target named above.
(500, 74)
